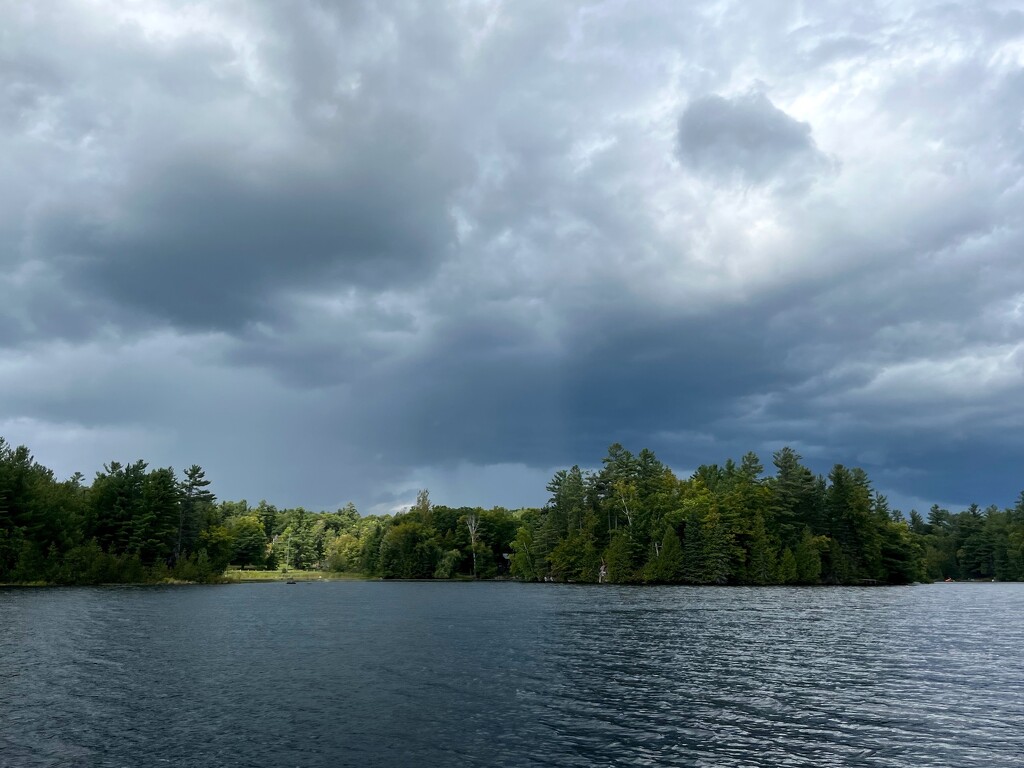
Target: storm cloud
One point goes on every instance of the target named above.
(746, 139)
(338, 251)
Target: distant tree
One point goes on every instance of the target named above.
(194, 498)
(693, 548)
(576, 557)
(249, 541)
(343, 552)
(788, 572)
(422, 508)
(736, 526)
(370, 558)
(619, 558)
(795, 501)
(917, 523)
(154, 517)
(666, 564)
(761, 568)
(524, 563)
(296, 545)
(808, 558)
(855, 550)
(406, 552)
(447, 564)
(902, 554)
(268, 516)
(472, 525)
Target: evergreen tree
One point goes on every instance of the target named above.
(808, 559)
(761, 568)
(195, 499)
(788, 572)
(715, 550)
(576, 557)
(666, 564)
(619, 558)
(795, 503)
(155, 518)
(854, 552)
(693, 548)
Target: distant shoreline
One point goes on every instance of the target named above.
(315, 577)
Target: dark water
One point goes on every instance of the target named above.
(364, 674)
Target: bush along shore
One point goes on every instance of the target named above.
(632, 521)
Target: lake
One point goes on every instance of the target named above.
(506, 674)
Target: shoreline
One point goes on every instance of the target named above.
(315, 577)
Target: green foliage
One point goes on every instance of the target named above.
(808, 558)
(619, 559)
(524, 562)
(406, 552)
(788, 572)
(726, 524)
(761, 568)
(126, 527)
(447, 563)
(575, 558)
(343, 553)
(370, 560)
(666, 564)
(154, 521)
(693, 546)
(197, 567)
(195, 509)
(249, 542)
(972, 544)
(715, 547)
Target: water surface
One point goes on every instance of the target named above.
(502, 674)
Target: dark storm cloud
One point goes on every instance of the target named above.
(341, 250)
(746, 139)
(24, 84)
(196, 196)
(207, 245)
(618, 377)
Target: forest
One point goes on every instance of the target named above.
(633, 521)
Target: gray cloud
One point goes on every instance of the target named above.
(201, 245)
(338, 251)
(748, 140)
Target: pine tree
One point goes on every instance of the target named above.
(693, 549)
(666, 563)
(618, 558)
(788, 572)
(808, 559)
(715, 550)
(155, 521)
(761, 563)
(194, 498)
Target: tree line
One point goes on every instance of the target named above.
(632, 521)
(131, 524)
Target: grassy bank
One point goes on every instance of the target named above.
(238, 575)
(231, 576)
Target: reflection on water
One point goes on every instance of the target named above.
(362, 674)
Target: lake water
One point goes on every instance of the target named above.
(504, 674)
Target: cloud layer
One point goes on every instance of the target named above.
(746, 139)
(336, 251)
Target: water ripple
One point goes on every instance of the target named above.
(367, 674)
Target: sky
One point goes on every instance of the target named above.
(337, 251)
